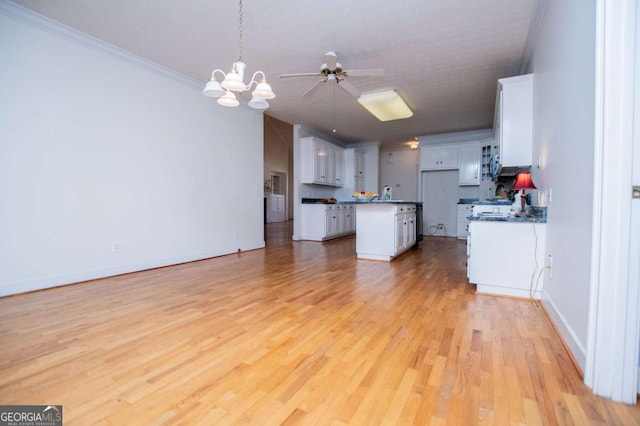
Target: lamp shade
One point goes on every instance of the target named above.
(213, 89)
(258, 103)
(523, 181)
(233, 81)
(229, 99)
(263, 90)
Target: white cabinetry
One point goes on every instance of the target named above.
(503, 255)
(275, 208)
(464, 211)
(439, 158)
(469, 165)
(325, 221)
(359, 171)
(322, 162)
(513, 121)
(384, 231)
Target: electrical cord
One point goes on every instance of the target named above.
(433, 230)
(533, 289)
(535, 260)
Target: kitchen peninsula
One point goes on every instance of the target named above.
(513, 266)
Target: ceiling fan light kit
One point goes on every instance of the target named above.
(386, 105)
(233, 81)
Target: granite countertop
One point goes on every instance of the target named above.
(467, 201)
(326, 201)
(534, 214)
(494, 202)
(512, 219)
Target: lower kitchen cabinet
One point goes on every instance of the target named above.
(506, 258)
(464, 211)
(384, 231)
(322, 222)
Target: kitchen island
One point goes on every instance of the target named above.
(384, 229)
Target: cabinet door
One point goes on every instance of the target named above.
(448, 157)
(400, 230)
(469, 164)
(429, 158)
(410, 238)
(515, 124)
(349, 224)
(359, 165)
(338, 166)
(331, 224)
(439, 158)
(321, 162)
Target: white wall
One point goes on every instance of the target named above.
(440, 197)
(99, 148)
(399, 170)
(563, 131)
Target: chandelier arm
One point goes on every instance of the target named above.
(217, 70)
(253, 79)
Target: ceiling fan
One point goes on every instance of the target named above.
(332, 71)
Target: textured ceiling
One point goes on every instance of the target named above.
(443, 57)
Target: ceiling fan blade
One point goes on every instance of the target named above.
(331, 59)
(364, 72)
(312, 88)
(349, 88)
(302, 74)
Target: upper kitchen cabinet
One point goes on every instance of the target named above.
(469, 165)
(513, 121)
(439, 158)
(322, 162)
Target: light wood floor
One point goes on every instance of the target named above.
(298, 333)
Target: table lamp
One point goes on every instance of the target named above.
(523, 181)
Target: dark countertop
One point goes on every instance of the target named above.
(467, 201)
(511, 219)
(325, 201)
(534, 214)
(496, 202)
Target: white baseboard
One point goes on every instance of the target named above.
(26, 286)
(567, 334)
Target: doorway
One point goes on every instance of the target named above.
(277, 198)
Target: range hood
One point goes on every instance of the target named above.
(512, 171)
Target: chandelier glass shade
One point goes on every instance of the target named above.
(233, 81)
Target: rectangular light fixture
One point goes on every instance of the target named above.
(385, 106)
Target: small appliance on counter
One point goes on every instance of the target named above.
(386, 192)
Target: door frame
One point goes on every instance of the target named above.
(612, 355)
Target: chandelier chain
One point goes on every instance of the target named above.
(240, 31)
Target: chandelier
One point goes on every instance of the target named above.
(233, 81)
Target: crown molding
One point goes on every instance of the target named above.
(41, 22)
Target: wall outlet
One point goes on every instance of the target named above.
(115, 248)
(441, 226)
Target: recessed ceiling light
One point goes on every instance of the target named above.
(385, 106)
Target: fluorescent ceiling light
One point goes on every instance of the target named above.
(385, 106)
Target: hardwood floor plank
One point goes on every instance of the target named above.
(297, 333)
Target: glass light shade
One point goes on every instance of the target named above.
(213, 89)
(229, 99)
(385, 106)
(523, 181)
(258, 103)
(263, 90)
(233, 81)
